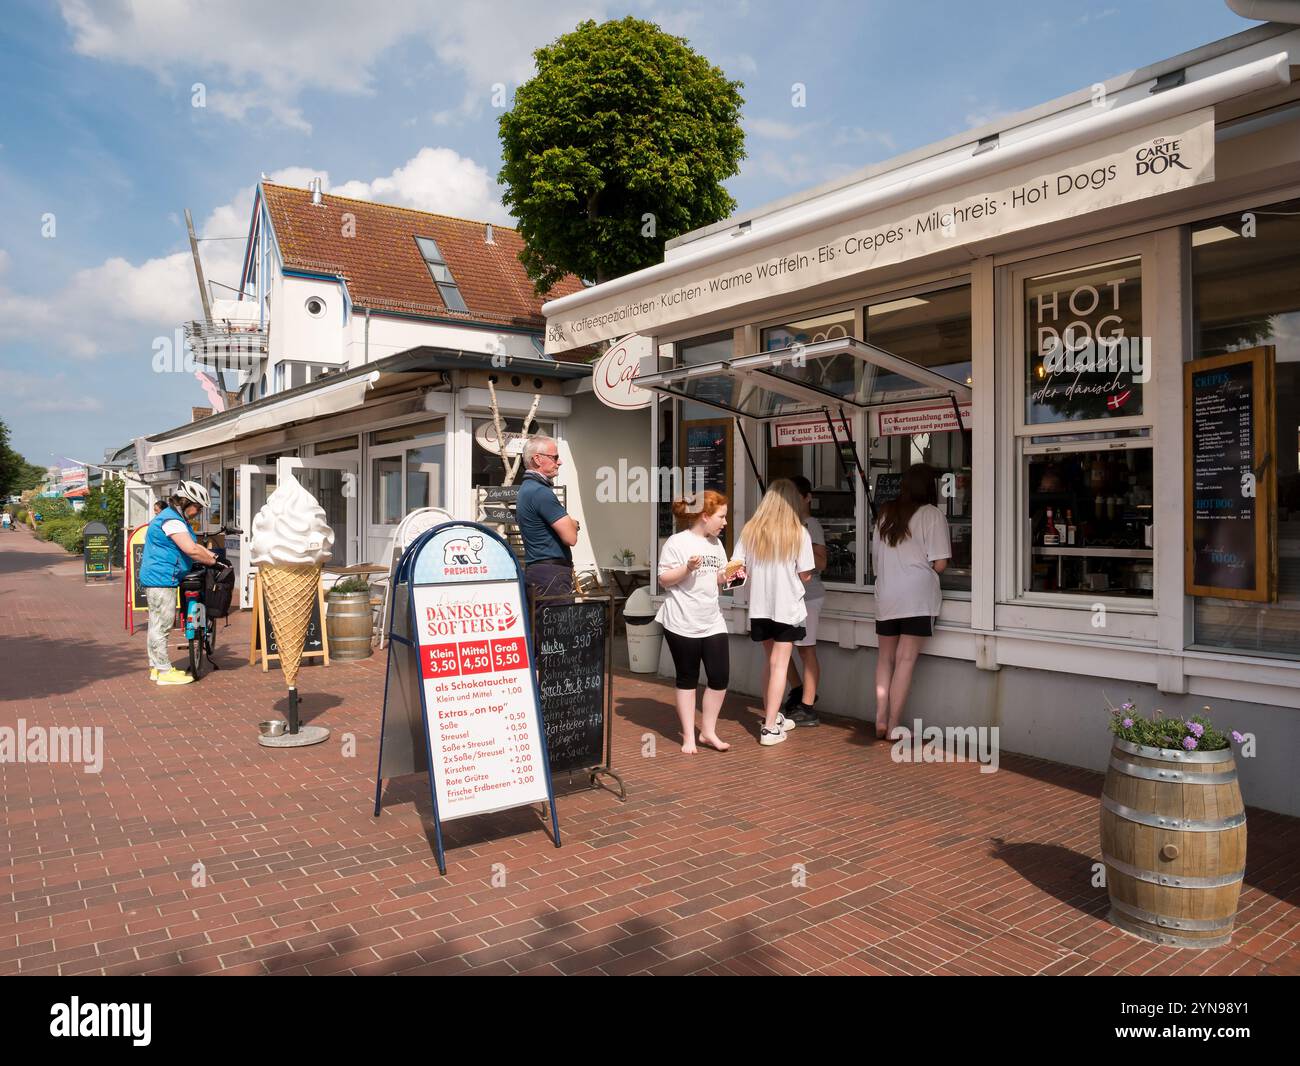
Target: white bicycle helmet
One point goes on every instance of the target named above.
(194, 492)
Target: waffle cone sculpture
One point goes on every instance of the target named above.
(291, 540)
(290, 593)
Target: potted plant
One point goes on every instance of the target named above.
(348, 619)
(1173, 828)
(625, 557)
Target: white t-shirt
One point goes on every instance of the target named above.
(173, 526)
(690, 607)
(776, 590)
(815, 590)
(906, 584)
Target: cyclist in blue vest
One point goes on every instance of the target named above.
(169, 554)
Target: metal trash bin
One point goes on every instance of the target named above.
(645, 636)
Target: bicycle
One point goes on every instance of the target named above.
(200, 630)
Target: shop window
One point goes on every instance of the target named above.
(1085, 355)
(840, 375)
(705, 446)
(1246, 295)
(1085, 490)
(406, 470)
(338, 444)
(931, 329)
(1090, 522)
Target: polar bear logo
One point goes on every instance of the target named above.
(462, 552)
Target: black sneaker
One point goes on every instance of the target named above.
(805, 716)
(792, 701)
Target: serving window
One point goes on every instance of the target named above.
(1084, 488)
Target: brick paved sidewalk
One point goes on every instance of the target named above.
(910, 869)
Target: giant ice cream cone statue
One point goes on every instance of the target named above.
(291, 541)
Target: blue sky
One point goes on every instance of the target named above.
(392, 101)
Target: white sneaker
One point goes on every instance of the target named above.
(768, 737)
(783, 723)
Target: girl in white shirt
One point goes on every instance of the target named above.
(777, 554)
(691, 567)
(909, 551)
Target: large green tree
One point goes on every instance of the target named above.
(16, 473)
(621, 141)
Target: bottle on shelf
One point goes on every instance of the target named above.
(1051, 536)
(1070, 529)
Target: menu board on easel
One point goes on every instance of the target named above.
(1231, 544)
(706, 452)
(262, 639)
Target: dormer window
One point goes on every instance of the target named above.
(441, 273)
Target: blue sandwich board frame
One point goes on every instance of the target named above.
(451, 559)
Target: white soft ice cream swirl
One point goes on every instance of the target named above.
(290, 529)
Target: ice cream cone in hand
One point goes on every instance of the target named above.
(291, 540)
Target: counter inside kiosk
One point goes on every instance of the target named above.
(829, 410)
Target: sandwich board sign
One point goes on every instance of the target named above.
(460, 694)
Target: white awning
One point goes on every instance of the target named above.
(330, 399)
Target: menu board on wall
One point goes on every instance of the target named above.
(706, 454)
(1228, 433)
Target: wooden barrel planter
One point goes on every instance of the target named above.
(1173, 838)
(348, 621)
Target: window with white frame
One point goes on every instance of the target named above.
(406, 470)
(1085, 492)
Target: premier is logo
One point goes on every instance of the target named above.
(75, 1018)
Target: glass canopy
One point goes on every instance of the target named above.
(841, 372)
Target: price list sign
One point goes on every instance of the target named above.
(460, 696)
(478, 696)
(1229, 480)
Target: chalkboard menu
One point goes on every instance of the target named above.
(572, 640)
(139, 600)
(315, 642)
(1228, 423)
(706, 454)
(96, 549)
(888, 487)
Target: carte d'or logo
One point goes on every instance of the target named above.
(1158, 156)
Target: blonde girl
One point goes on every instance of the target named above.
(777, 554)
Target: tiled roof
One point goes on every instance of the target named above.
(383, 266)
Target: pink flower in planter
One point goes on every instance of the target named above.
(1237, 738)
(1128, 723)
(1196, 728)
(1189, 743)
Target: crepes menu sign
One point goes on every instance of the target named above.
(1229, 472)
(1175, 153)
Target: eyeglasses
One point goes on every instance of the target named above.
(548, 455)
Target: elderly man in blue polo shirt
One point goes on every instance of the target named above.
(548, 531)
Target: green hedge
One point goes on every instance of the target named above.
(66, 532)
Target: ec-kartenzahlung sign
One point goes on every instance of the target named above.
(1173, 154)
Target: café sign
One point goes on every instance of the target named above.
(1172, 154)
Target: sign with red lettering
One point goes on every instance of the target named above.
(611, 377)
(809, 429)
(938, 417)
(460, 672)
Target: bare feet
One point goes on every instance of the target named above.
(880, 730)
(688, 746)
(714, 742)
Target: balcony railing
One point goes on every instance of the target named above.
(227, 344)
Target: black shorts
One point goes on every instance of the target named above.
(921, 625)
(761, 629)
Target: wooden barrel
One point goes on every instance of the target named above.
(1173, 838)
(348, 622)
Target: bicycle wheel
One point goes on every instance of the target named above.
(196, 655)
(210, 640)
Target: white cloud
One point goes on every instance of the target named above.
(856, 135)
(48, 395)
(438, 180)
(255, 58)
(113, 307)
(774, 130)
